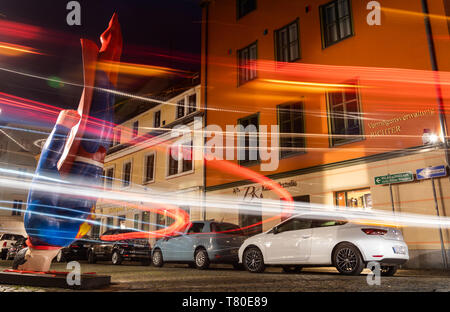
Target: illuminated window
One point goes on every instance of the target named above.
(126, 179)
(287, 43)
(336, 21)
(361, 198)
(247, 63)
(244, 7)
(344, 116)
(292, 129)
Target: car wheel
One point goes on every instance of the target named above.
(91, 257)
(201, 259)
(388, 270)
(60, 257)
(157, 258)
(3, 255)
(292, 269)
(254, 260)
(116, 258)
(347, 259)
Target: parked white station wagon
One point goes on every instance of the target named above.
(309, 240)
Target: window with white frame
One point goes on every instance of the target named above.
(149, 168)
(180, 158)
(186, 105)
(109, 177)
(126, 177)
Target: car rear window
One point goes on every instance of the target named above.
(196, 228)
(324, 223)
(8, 237)
(227, 228)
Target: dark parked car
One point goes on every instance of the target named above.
(202, 243)
(117, 251)
(15, 248)
(6, 241)
(78, 250)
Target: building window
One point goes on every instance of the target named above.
(135, 128)
(344, 116)
(109, 177)
(126, 178)
(17, 208)
(109, 223)
(121, 221)
(287, 43)
(136, 221)
(95, 230)
(292, 129)
(149, 168)
(157, 119)
(192, 103)
(145, 225)
(187, 105)
(248, 140)
(117, 135)
(336, 22)
(244, 7)
(250, 217)
(180, 158)
(361, 199)
(247, 63)
(180, 108)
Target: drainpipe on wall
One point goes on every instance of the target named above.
(205, 4)
(434, 66)
(440, 102)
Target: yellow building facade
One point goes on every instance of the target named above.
(140, 160)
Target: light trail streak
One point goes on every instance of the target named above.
(224, 204)
(15, 49)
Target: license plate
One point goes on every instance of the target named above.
(399, 250)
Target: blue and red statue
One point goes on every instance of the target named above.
(75, 150)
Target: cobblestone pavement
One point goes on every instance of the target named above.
(177, 277)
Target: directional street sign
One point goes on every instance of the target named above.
(394, 178)
(431, 172)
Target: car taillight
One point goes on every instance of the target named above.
(374, 231)
(4, 244)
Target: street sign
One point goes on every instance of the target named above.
(431, 172)
(394, 178)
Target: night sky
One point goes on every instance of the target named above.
(155, 32)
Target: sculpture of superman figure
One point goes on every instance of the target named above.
(75, 150)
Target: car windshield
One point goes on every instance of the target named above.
(227, 228)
